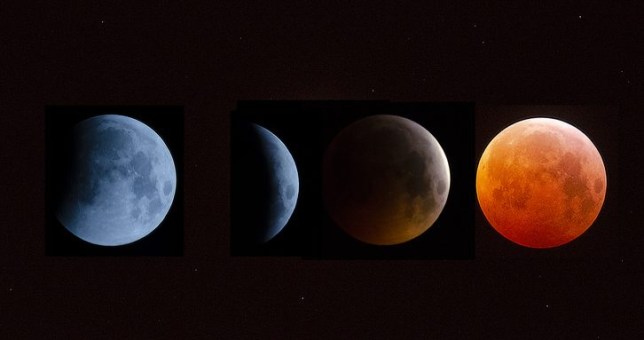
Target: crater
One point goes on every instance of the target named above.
(520, 197)
(154, 206)
(141, 164)
(441, 187)
(135, 213)
(167, 188)
(574, 186)
(418, 209)
(599, 186)
(587, 206)
(143, 186)
(290, 191)
(107, 143)
(570, 164)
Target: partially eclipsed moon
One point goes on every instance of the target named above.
(264, 188)
(386, 180)
(541, 183)
(283, 181)
(122, 182)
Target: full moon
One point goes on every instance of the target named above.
(541, 183)
(121, 184)
(386, 180)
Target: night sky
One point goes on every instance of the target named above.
(208, 57)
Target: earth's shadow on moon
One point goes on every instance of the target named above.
(451, 235)
(167, 122)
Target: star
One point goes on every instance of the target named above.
(547, 306)
(579, 17)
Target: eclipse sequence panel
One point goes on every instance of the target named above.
(338, 179)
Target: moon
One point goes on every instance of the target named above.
(541, 183)
(385, 180)
(121, 184)
(266, 181)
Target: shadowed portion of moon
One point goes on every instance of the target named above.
(541, 183)
(386, 180)
(121, 183)
(265, 185)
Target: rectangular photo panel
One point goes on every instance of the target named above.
(547, 181)
(114, 181)
(352, 180)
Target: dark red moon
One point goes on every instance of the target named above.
(541, 183)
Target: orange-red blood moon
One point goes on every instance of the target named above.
(541, 183)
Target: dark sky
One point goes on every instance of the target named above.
(208, 56)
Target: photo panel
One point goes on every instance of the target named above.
(114, 181)
(377, 180)
(547, 181)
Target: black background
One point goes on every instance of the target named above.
(167, 122)
(308, 127)
(206, 56)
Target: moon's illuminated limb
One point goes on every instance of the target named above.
(541, 183)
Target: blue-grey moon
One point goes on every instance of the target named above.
(121, 184)
(284, 184)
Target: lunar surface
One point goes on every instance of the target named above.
(541, 183)
(122, 182)
(266, 185)
(386, 180)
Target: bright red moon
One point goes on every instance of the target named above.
(541, 183)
